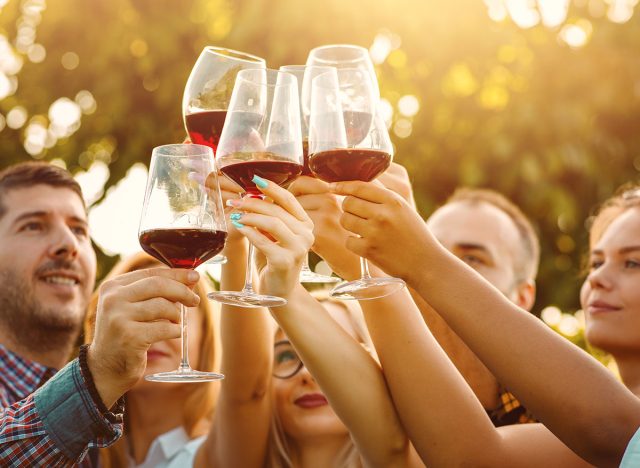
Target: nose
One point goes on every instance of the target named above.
(305, 375)
(64, 243)
(600, 278)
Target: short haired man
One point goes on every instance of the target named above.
(492, 235)
(47, 273)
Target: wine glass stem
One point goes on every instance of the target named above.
(305, 263)
(184, 359)
(248, 278)
(364, 269)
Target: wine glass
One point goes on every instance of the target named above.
(304, 75)
(207, 94)
(261, 137)
(344, 56)
(182, 225)
(340, 151)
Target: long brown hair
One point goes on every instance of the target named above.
(278, 449)
(200, 402)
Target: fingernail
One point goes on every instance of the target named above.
(196, 299)
(237, 224)
(259, 181)
(193, 276)
(233, 202)
(235, 216)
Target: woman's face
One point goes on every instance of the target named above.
(610, 295)
(302, 408)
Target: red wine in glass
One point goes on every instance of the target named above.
(305, 153)
(279, 172)
(205, 127)
(182, 248)
(339, 165)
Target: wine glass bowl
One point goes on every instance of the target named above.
(208, 92)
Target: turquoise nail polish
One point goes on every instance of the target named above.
(259, 181)
(237, 224)
(235, 216)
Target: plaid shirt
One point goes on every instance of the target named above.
(29, 437)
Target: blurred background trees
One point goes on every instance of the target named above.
(537, 99)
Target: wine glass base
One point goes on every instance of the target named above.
(308, 276)
(184, 376)
(367, 288)
(246, 299)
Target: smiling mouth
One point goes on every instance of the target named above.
(311, 401)
(63, 280)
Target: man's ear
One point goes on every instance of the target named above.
(526, 294)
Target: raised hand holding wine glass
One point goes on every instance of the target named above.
(348, 140)
(182, 225)
(261, 140)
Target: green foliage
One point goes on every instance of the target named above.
(553, 128)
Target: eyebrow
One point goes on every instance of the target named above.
(624, 250)
(42, 214)
(470, 246)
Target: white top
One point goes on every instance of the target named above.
(172, 449)
(632, 453)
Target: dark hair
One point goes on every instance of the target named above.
(526, 266)
(28, 174)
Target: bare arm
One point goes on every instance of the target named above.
(575, 397)
(349, 377)
(240, 428)
(441, 414)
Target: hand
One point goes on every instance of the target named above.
(281, 231)
(135, 310)
(396, 178)
(389, 232)
(323, 207)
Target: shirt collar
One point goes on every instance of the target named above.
(22, 377)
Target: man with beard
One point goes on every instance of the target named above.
(47, 273)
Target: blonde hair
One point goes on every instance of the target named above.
(200, 402)
(278, 448)
(626, 197)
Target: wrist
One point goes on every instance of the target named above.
(100, 380)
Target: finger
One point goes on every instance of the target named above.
(275, 227)
(157, 308)
(305, 185)
(184, 276)
(152, 332)
(325, 201)
(357, 245)
(358, 207)
(158, 286)
(369, 191)
(354, 224)
(281, 197)
(228, 185)
(258, 206)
